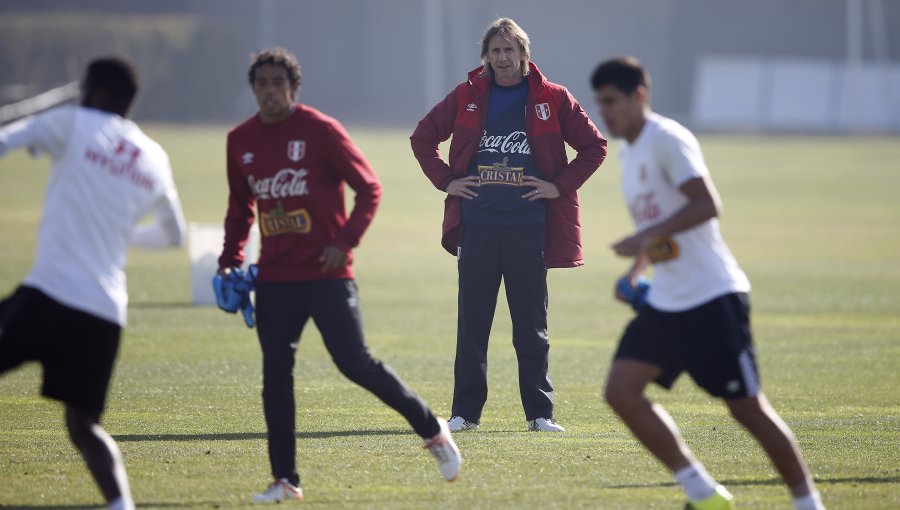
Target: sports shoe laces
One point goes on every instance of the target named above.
(459, 424)
(535, 425)
(444, 451)
(438, 447)
(280, 490)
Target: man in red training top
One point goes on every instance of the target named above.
(291, 162)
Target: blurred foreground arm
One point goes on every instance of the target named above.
(703, 204)
(167, 227)
(46, 132)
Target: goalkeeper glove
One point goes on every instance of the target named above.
(249, 282)
(227, 296)
(232, 292)
(635, 295)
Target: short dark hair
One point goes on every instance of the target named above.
(276, 56)
(623, 73)
(116, 78)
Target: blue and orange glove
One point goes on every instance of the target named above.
(233, 292)
(635, 295)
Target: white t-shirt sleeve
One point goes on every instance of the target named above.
(47, 132)
(680, 156)
(167, 227)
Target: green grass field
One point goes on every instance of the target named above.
(815, 222)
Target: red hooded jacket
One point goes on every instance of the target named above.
(553, 118)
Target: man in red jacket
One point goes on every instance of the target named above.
(511, 209)
(291, 162)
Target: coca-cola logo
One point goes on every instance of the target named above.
(644, 208)
(286, 183)
(513, 143)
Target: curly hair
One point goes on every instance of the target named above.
(275, 57)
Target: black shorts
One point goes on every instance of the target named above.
(76, 349)
(711, 342)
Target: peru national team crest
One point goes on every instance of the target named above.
(296, 150)
(543, 111)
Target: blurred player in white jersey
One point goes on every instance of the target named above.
(68, 314)
(696, 319)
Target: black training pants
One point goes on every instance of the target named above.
(515, 254)
(282, 310)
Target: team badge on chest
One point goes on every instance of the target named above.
(542, 110)
(296, 149)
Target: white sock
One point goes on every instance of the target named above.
(120, 504)
(812, 501)
(695, 481)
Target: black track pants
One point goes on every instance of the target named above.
(282, 310)
(487, 255)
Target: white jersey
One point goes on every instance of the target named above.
(663, 157)
(106, 176)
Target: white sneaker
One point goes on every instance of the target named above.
(545, 425)
(445, 452)
(278, 491)
(459, 424)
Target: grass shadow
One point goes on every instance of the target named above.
(772, 481)
(160, 305)
(205, 504)
(241, 436)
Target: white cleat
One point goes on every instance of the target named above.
(459, 424)
(278, 491)
(545, 425)
(445, 452)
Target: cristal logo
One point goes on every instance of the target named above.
(513, 143)
(286, 183)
